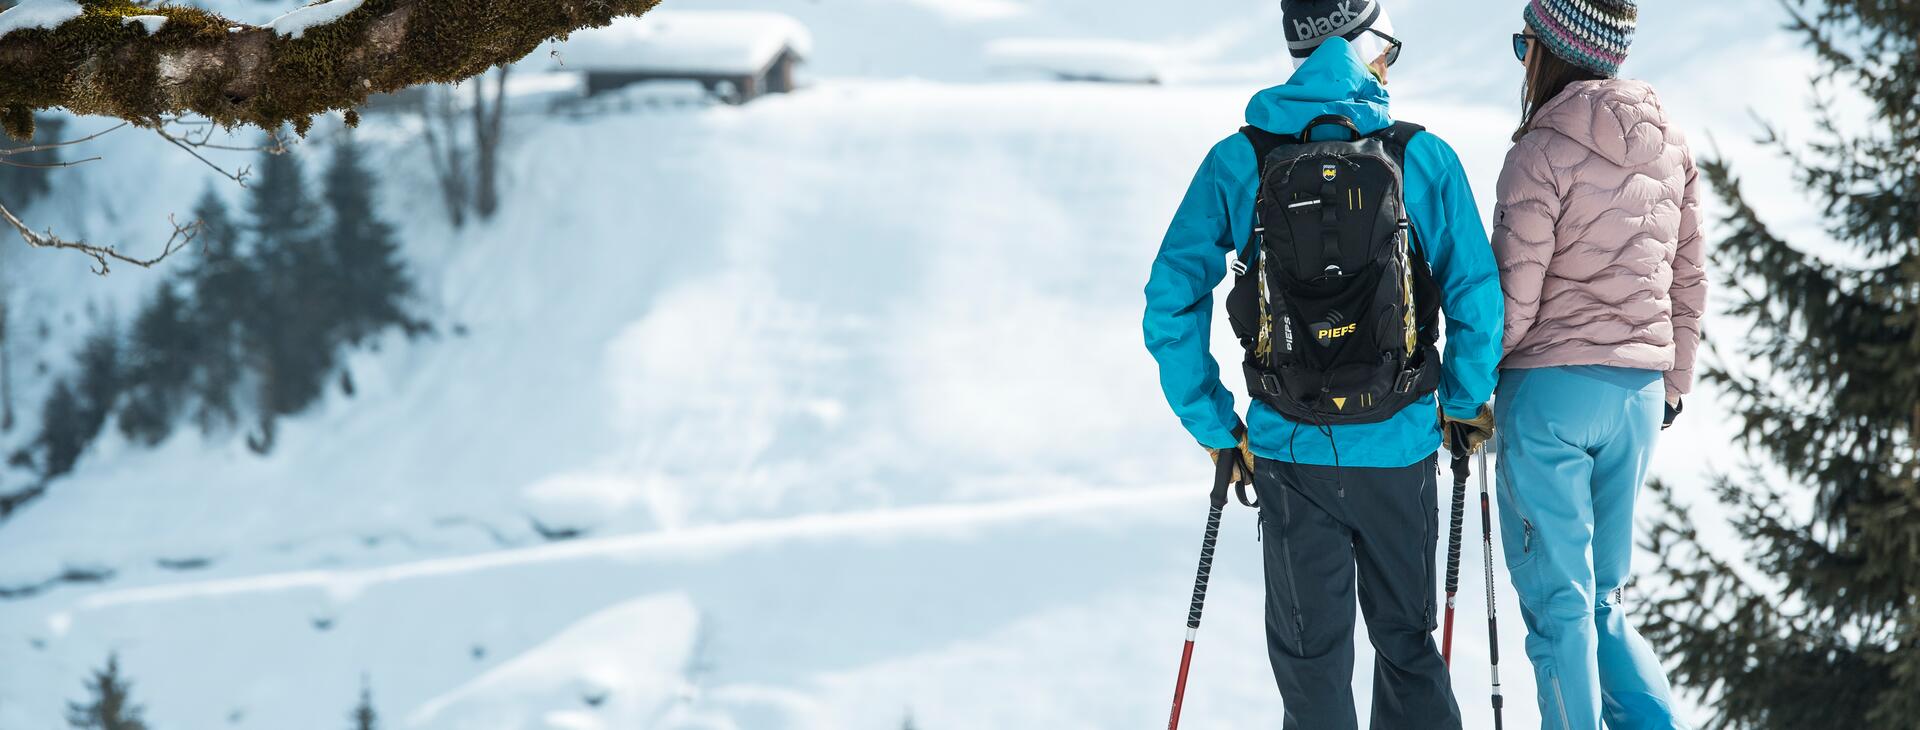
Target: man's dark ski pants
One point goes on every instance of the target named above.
(1318, 524)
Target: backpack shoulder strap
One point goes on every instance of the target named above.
(1264, 142)
(1398, 136)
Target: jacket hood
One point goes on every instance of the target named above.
(1331, 81)
(1619, 119)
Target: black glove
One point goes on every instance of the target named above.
(1673, 411)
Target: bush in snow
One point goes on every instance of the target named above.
(109, 705)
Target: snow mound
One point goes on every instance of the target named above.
(153, 23)
(298, 22)
(619, 668)
(688, 41)
(1074, 59)
(578, 503)
(42, 14)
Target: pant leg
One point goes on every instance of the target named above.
(1634, 691)
(1395, 515)
(1546, 528)
(1309, 566)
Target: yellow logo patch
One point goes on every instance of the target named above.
(1336, 332)
(1340, 403)
(1329, 172)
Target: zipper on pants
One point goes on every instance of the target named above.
(1293, 588)
(1560, 700)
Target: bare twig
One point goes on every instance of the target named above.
(47, 165)
(30, 149)
(183, 235)
(192, 147)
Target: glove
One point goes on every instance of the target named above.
(1673, 411)
(1466, 436)
(1243, 472)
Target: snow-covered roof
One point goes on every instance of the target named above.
(688, 41)
(1079, 59)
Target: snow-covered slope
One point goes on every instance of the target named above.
(842, 390)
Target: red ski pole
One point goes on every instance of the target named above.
(1223, 474)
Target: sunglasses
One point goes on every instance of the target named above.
(1393, 45)
(1522, 42)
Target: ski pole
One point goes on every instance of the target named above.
(1493, 623)
(1453, 552)
(1223, 473)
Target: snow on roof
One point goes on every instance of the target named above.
(687, 41)
(1079, 59)
(46, 14)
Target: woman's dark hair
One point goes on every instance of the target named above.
(1547, 75)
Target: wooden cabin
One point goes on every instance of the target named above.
(738, 56)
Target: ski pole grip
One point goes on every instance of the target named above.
(1206, 568)
(1459, 519)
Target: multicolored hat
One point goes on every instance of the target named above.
(1591, 34)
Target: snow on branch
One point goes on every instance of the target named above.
(141, 63)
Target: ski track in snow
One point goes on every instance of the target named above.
(952, 521)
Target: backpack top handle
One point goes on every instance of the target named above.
(1306, 133)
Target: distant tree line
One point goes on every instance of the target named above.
(252, 330)
(109, 704)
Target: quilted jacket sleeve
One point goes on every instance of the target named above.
(1689, 292)
(1524, 218)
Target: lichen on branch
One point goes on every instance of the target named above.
(239, 74)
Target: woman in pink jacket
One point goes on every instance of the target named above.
(1598, 241)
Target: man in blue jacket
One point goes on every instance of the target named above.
(1346, 503)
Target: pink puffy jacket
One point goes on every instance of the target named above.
(1598, 236)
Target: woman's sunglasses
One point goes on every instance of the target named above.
(1521, 43)
(1393, 45)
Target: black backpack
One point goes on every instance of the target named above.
(1332, 298)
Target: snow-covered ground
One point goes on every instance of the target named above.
(810, 377)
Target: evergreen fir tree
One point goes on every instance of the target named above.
(363, 716)
(164, 348)
(109, 705)
(223, 291)
(371, 282)
(61, 439)
(102, 379)
(289, 337)
(76, 410)
(1833, 638)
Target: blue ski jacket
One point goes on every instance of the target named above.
(1215, 220)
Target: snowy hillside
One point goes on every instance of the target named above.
(805, 381)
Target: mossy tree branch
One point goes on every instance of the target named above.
(239, 74)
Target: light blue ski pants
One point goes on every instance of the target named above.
(1574, 443)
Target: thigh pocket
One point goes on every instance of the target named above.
(1518, 543)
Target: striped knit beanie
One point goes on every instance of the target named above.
(1311, 22)
(1591, 34)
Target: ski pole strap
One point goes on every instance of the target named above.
(1223, 463)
